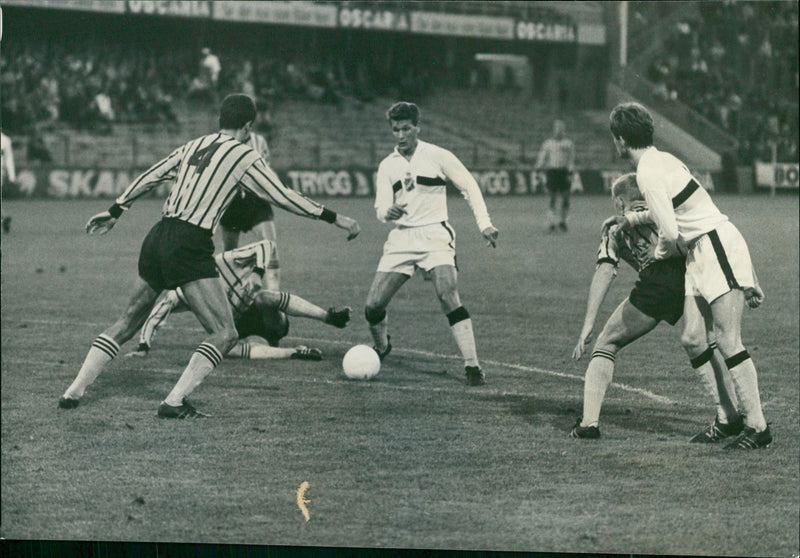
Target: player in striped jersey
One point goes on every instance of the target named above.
(206, 174)
(410, 190)
(658, 295)
(259, 314)
(248, 212)
(720, 278)
(557, 158)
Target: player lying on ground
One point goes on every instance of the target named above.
(259, 315)
(720, 278)
(206, 174)
(657, 295)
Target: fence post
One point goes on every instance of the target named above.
(67, 155)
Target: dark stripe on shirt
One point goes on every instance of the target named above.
(426, 181)
(722, 258)
(219, 207)
(684, 194)
(396, 186)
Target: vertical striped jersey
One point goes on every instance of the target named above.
(556, 154)
(679, 206)
(236, 266)
(635, 246)
(420, 183)
(207, 173)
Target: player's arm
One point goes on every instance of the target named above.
(385, 207)
(169, 302)
(601, 282)
(543, 152)
(571, 157)
(248, 263)
(604, 273)
(163, 171)
(468, 186)
(262, 181)
(662, 213)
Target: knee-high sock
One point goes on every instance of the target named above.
(103, 351)
(745, 378)
(256, 351)
(204, 359)
(598, 377)
(294, 305)
(711, 370)
(461, 328)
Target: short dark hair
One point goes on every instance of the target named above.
(627, 188)
(236, 111)
(633, 123)
(403, 111)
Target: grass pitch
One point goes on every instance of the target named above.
(413, 458)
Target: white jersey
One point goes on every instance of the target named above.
(679, 206)
(420, 184)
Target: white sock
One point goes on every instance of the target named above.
(246, 349)
(745, 378)
(294, 305)
(204, 359)
(597, 379)
(726, 400)
(465, 339)
(103, 351)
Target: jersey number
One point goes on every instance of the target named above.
(202, 157)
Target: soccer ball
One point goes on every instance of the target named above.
(361, 363)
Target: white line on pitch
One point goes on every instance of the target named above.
(643, 392)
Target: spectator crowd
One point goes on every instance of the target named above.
(737, 65)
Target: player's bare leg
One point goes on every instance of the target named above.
(706, 359)
(384, 286)
(294, 305)
(625, 325)
(206, 299)
(106, 346)
(445, 283)
(254, 347)
(727, 314)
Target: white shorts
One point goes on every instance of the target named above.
(425, 247)
(718, 262)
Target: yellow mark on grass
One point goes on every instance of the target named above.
(301, 500)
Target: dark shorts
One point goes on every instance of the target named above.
(272, 325)
(559, 180)
(246, 212)
(174, 253)
(659, 292)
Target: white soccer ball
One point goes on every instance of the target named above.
(361, 363)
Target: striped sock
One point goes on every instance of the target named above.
(294, 305)
(103, 351)
(598, 377)
(205, 358)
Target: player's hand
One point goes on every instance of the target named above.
(250, 288)
(396, 211)
(102, 222)
(618, 220)
(490, 234)
(754, 296)
(580, 348)
(350, 225)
